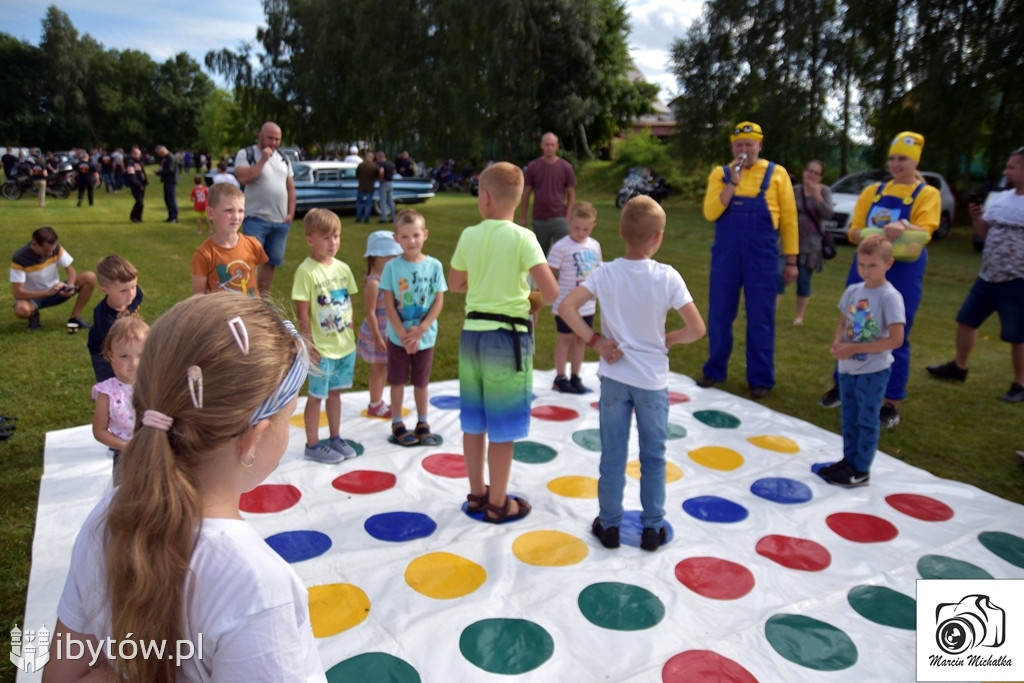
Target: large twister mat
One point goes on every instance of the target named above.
(769, 574)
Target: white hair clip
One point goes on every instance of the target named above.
(241, 335)
(195, 385)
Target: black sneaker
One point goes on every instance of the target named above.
(1014, 395)
(705, 382)
(609, 537)
(831, 398)
(33, 322)
(845, 476)
(563, 385)
(577, 384)
(948, 370)
(828, 469)
(888, 416)
(652, 539)
(78, 322)
(759, 392)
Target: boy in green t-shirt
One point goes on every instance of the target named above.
(322, 292)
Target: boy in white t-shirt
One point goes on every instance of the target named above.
(572, 259)
(634, 364)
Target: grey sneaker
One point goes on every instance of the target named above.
(341, 446)
(831, 398)
(321, 453)
(889, 417)
(1014, 395)
(78, 322)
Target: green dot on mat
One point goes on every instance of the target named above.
(588, 438)
(717, 419)
(810, 643)
(506, 646)
(620, 606)
(941, 567)
(373, 666)
(884, 606)
(1006, 546)
(676, 431)
(533, 452)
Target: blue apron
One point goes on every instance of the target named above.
(744, 256)
(906, 277)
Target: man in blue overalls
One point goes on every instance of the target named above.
(752, 204)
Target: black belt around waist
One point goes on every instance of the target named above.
(507, 320)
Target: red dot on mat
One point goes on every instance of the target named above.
(269, 498)
(364, 481)
(794, 553)
(554, 413)
(715, 578)
(920, 507)
(861, 528)
(675, 397)
(704, 666)
(451, 465)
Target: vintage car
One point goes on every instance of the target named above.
(847, 189)
(332, 185)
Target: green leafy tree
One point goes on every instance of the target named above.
(20, 64)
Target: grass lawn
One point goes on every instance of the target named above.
(957, 431)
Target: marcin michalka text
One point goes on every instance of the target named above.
(970, 660)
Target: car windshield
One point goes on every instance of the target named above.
(855, 184)
(301, 171)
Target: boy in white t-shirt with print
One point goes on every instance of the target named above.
(572, 259)
(634, 364)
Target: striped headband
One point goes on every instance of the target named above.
(290, 385)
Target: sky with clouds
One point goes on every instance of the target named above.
(165, 28)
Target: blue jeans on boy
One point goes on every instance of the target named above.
(387, 201)
(618, 401)
(364, 205)
(862, 399)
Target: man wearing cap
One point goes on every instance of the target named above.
(752, 204)
(905, 203)
(353, 155)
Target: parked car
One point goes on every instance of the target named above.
(333, 185)
(847, 189)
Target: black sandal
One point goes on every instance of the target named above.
(403, 437)
(502, 512)
(477, 504)
(424, 436)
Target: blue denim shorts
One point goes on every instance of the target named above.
(332, 374)
(1004, 298)
(273, 237)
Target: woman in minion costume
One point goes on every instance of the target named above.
(907, 210)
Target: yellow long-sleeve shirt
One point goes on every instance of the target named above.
(779, 196)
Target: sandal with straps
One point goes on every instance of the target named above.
(502, 512)
(424, 436)
(403, 437)
(477, 504)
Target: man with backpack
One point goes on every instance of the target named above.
(266, 175)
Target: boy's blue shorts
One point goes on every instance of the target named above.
(332, 374)
(494, 398)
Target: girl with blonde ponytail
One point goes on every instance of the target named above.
(166, 556)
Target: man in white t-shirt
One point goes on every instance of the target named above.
(266, 174)
(36, 284)
(999, 287)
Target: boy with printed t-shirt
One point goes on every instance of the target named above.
(572, 259)
(322, 291)
(871, 326)
(228, 261)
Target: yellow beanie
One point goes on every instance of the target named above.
(909, 144)
(746, 129)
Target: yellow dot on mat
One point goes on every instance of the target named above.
(549, 549)
(443, 576)
(779, 444)
(672, 471)
(336, 607)
(574, 487)
(717, 457)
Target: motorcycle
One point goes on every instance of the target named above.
(58, 184)
(639, 182)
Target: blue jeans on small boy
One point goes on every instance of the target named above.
(618, 401)
(862, 397)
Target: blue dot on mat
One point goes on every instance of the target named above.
(399, 526)
(715, 509)
(782, 490)
(445, 402)
(296, 546)
(631, 529)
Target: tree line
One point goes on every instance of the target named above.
(819, 74)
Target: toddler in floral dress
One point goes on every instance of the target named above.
(381, 247)
(113, 419)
